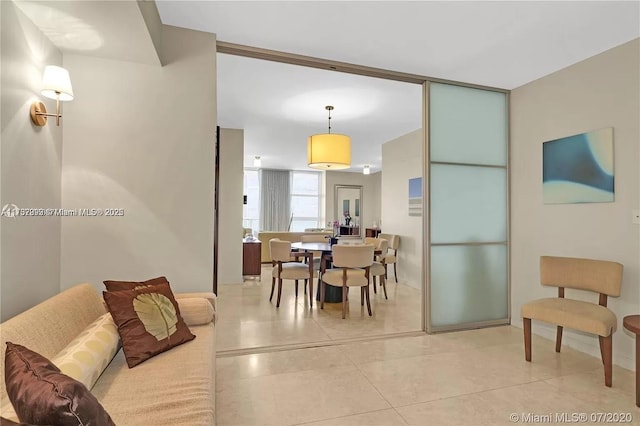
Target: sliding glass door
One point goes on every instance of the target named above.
(468, 198)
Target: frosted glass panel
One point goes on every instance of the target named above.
(468, 284)
(468, 204)
(467, 125)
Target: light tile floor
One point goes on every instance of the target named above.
(476, 377)
(247, 319)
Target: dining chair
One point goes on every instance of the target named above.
(317, 255)
(378, 268)
(351, 268)
(286, 269)
(392, 258)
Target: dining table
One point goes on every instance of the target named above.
(332, 294)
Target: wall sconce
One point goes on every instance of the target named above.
(257, 161)
(56, 84)
(366, 170)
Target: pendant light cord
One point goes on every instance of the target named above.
(329, 108)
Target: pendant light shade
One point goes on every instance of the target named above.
(329, 151)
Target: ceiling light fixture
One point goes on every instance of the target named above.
(366, 170)
(56, 84)
(257, 161)
(329, 151)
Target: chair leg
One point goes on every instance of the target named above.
(296, 289)
(305, 286)
(361, 296)
(273, 286)
(279, 292)
(383, 284)
(558, 338)
(322, 289)
(385, 270)
(374, 285)
(366, 292)
(344, 302)
(395, 272)
(606, 348)
(310, 293)
(527, 338)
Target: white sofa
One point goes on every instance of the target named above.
(176, 387)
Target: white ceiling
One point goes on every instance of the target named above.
(499, 44)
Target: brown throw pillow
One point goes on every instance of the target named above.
(42, 395)
(148, 320)
(113, 285)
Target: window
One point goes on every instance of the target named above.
(251, 210)
(305, 200)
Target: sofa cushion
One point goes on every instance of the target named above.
(42, 395)
(176, 387)
(113, 285)
(88, 355)
(148, 320)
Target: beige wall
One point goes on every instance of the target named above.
(602, 91)
(370, 206)
(30, 167)
(401, 161)
(141, 138)
(230, 220)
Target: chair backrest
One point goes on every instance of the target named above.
(394, 240)
(320, 238)
(352, 256)
(600, 276)
(383, 246)
(280, 250)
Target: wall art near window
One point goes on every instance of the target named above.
(578, 168)
(415, 196)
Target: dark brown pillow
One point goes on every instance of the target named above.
(148, 321)
(42, 395)
(113, 285)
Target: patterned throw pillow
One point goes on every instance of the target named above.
(113, 285)
(86, 357)
(41, 395)
(148, 320)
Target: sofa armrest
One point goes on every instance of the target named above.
(209, 297)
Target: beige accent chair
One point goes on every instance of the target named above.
(351, 267)
(378, 268)
(392, 258)
(286, 269)
(598, 276)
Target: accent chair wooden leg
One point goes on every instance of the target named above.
(310, 293)
(606, 348)
(305, 286)
(344, 302)
(374, 284)
(279, 292)
(361, 296)
(273, 286)
(383, 284)
(366, 292)
(395, 271)
(558, 338)
(322, 289)
(527, 338)
(296, 289)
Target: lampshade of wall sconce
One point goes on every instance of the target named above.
(329, 151)
(56, 82)
(366, 170)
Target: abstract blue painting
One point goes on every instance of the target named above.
(415, 196)
(578, 168)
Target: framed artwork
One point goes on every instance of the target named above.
(415, 196)
(579, 168)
